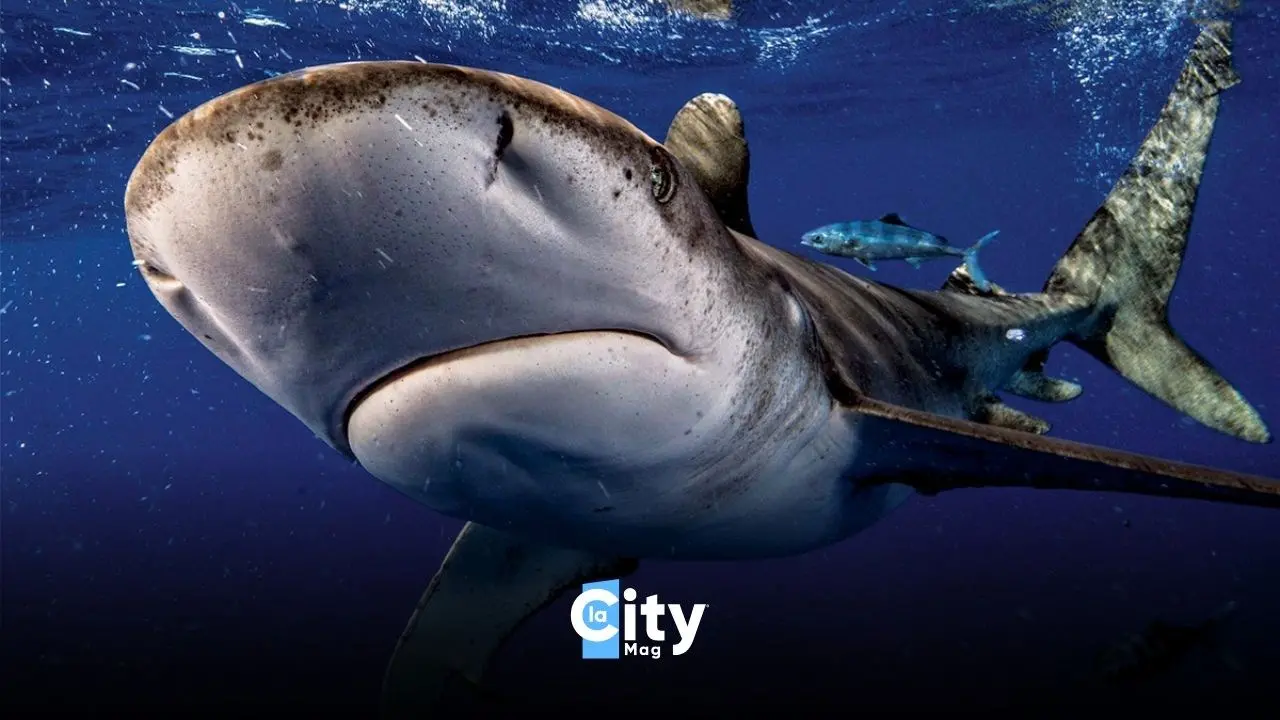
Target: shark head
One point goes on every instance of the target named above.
(470, 283)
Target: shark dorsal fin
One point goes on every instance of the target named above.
(893, 219)
(708, 138)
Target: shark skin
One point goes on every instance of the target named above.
(718, 10)
(519, 310)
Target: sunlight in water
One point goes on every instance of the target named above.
(623, 27)
(470, 16)
(625, 15)
(1100, 41)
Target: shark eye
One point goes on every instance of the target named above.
(662, 176)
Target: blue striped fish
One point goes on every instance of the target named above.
(890, 238)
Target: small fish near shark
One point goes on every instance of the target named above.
(1159, 648)
(581, 348)
(891, 238)
(1125, 670)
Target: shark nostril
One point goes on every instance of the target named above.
(150, 269)
(157, 276)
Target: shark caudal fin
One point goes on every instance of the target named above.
(971, 261)
(1127, 258)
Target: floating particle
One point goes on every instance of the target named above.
(264, 21)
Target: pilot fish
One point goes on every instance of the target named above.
(890, 238)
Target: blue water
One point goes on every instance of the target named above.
(172, 536)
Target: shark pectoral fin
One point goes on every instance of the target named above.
(933, 454)
(708, 137)
(487, 586)
(868, 264)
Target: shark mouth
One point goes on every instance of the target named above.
(509, 344)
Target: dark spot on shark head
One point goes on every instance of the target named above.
(272, 160)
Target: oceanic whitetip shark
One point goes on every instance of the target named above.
(521, 311)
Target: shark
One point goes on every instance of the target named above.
(1161, 647)
(718, 10)
(518, 309)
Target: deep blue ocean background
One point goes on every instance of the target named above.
(172, 538)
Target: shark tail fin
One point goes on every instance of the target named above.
(971, 261)
(1126, 259)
